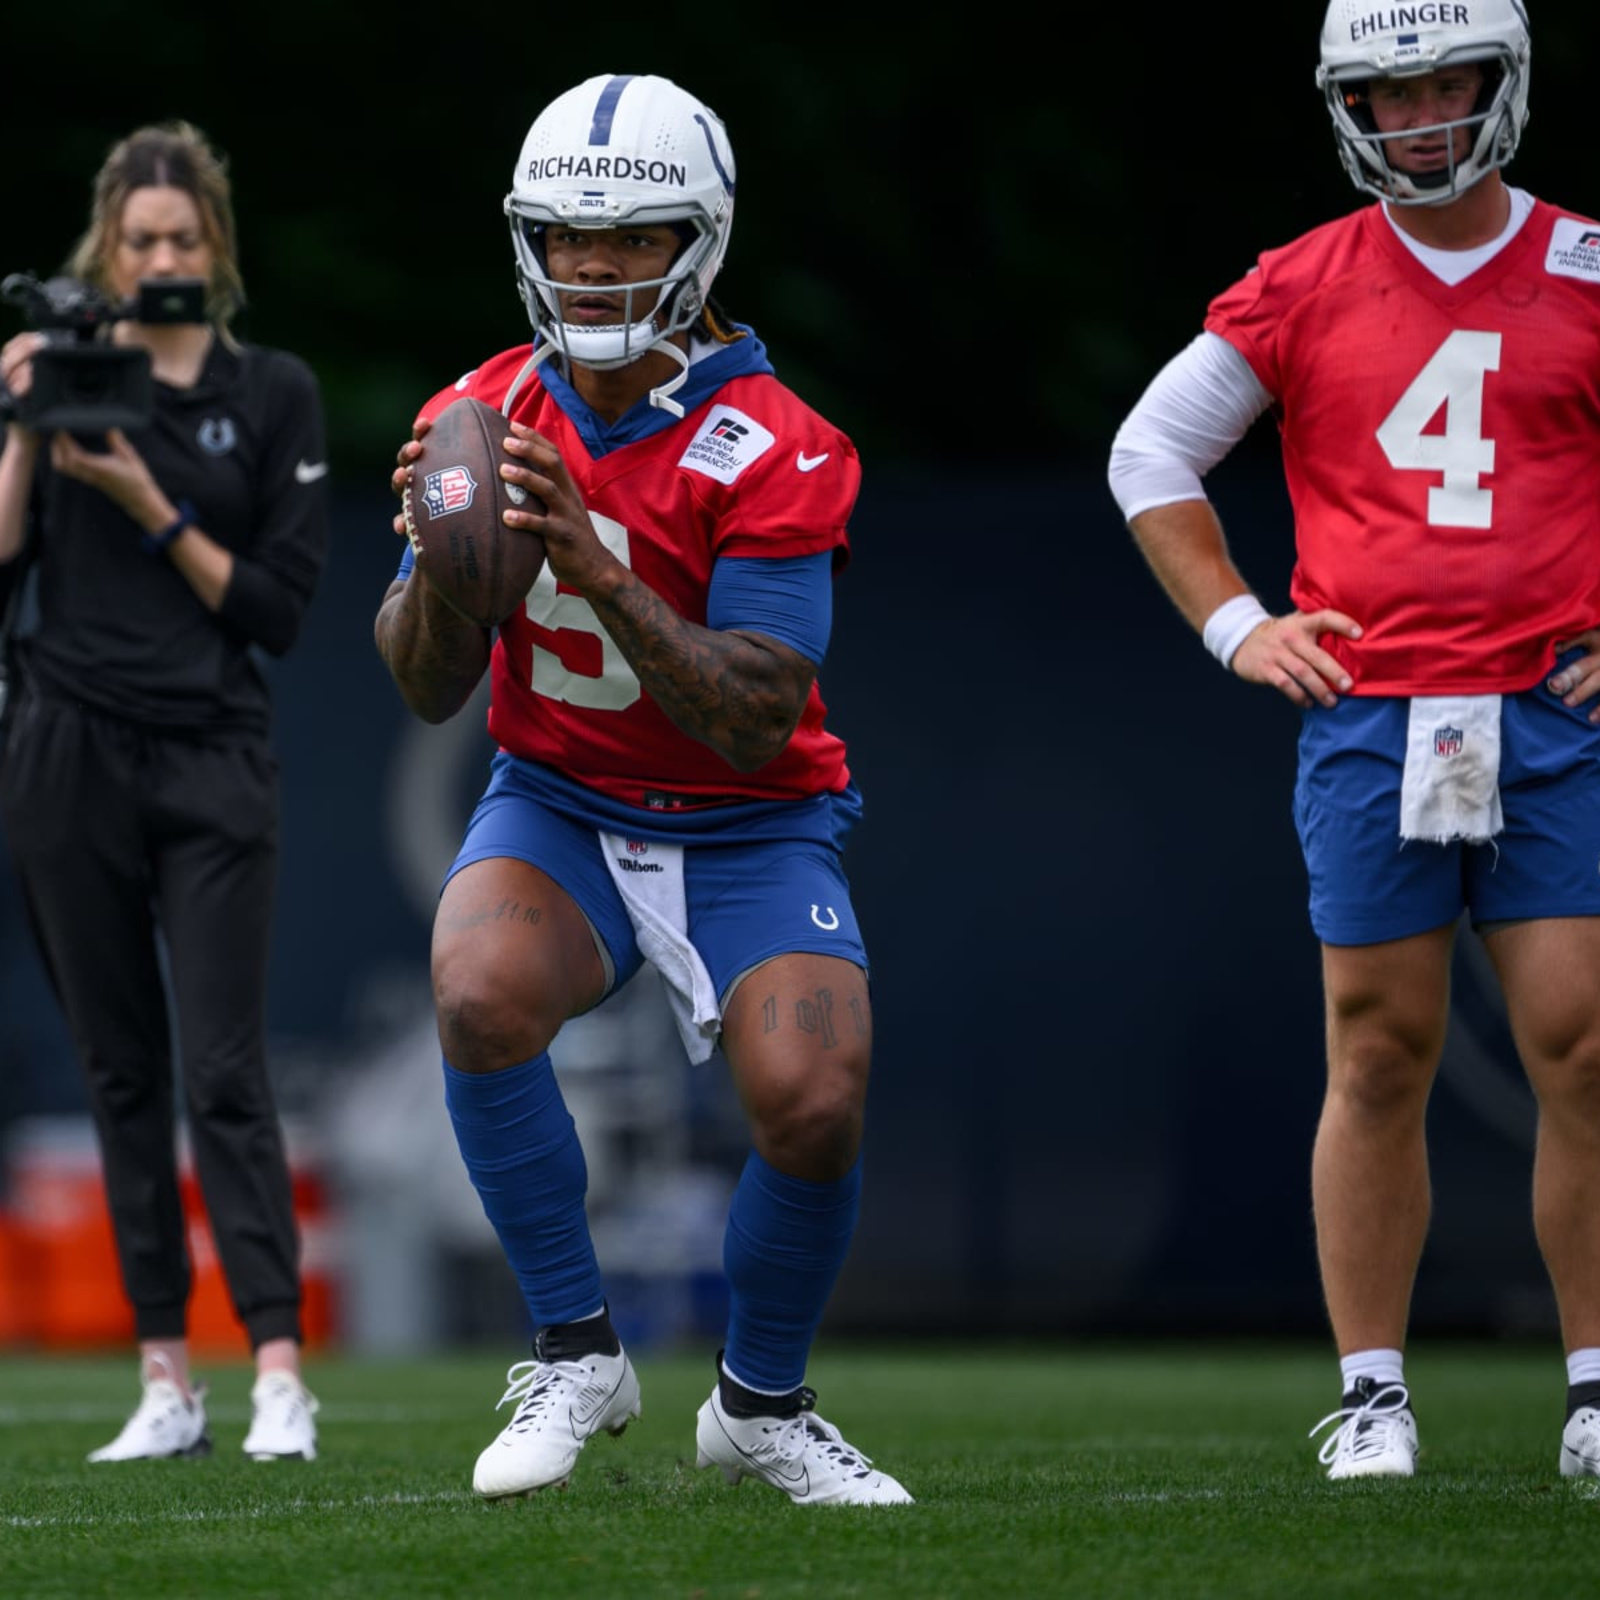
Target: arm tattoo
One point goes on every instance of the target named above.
(740, 695)
(434, 655)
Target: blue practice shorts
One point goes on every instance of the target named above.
(1368, 885)
(748, 900)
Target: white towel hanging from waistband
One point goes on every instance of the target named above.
(649, 877)
(1451, 787)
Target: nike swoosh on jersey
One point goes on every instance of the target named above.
(310, 471)
(810, 463)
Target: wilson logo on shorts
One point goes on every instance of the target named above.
(1447, 741)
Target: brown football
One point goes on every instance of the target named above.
(453, 505)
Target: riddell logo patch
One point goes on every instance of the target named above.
(1574, 250)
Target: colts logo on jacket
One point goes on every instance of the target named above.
(217, 435)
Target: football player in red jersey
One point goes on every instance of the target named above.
(665, 789)
(1432, 364)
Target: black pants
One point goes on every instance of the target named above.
(127, 841)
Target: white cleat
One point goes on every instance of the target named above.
(1580, 1444)
(282, 1425)
(1377, 1435)
(168, 1423)
(561, 1405)
(803, 1456)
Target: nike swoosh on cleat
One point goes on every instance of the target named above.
(810, 463)
(583, 1419)
(310, 471)
(792, 1473)
(792, 1476)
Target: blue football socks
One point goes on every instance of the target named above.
(787, 1239)
(522, 1153)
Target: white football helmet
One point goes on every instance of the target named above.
(620, 149)
(1365, 39)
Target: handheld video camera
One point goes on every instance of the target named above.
(81, 380)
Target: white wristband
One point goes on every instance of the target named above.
(1231, 624)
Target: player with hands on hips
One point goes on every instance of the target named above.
(1432, 363)
(665, 788)
(139, 789)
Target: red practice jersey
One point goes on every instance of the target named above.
(1441, 445)
(753, 471)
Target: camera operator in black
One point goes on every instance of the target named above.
(139, 786)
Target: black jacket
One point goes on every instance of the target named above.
(117, 626)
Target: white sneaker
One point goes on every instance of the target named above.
(1580, 1444)
(804, 1456)
(1377, 1436)
(281, 1424)
(560, 1406)
(168, 1423)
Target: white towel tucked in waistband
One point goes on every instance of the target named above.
(1451, 788)
(649, 877)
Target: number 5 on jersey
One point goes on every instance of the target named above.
(616, 688)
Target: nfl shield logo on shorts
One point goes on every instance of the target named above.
(1447, 741)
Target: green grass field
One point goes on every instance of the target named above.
(1159, 1469)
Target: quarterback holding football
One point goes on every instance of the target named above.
(665, 788)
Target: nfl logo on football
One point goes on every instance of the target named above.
(448, 490)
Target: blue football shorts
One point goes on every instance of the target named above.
(747, 900)
(1368, 885)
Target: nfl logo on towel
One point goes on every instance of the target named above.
(1447, 741)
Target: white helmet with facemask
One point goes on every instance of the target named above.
(1366, 39)
(620, 150)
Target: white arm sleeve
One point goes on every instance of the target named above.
(1196, 409)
